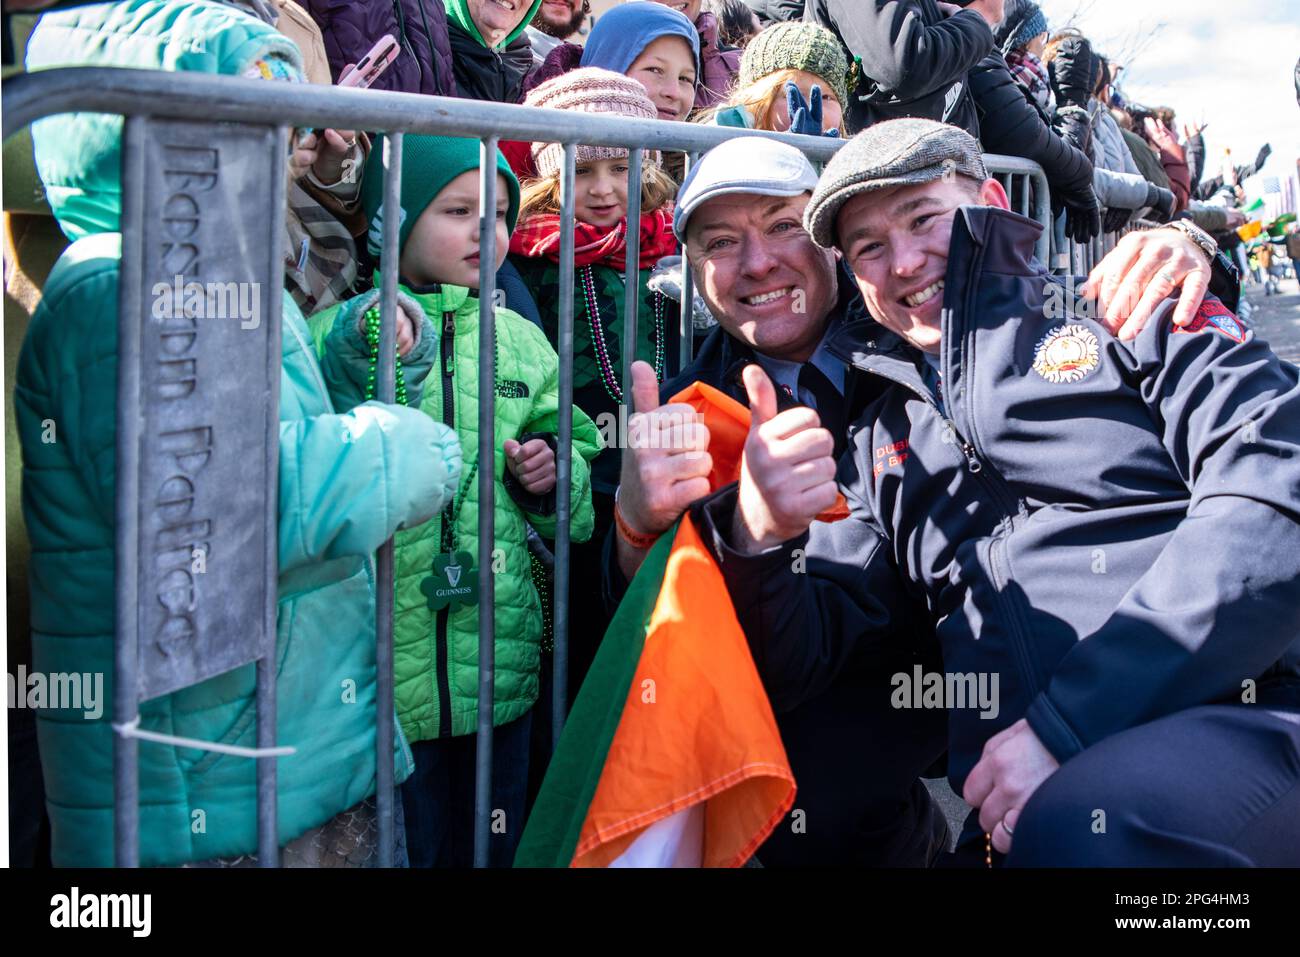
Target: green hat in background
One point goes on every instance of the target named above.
(429, 163)
(797, 46)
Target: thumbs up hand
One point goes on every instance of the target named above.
(666, 464)
(787, 476)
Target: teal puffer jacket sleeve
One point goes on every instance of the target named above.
(345, 353)
(349, 481)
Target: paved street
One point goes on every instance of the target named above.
(1277, 317)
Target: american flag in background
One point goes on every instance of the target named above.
(1274, 201)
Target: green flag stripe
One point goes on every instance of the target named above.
(555, 824)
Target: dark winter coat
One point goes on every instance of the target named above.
(486, 74)
(351, 27)
(1011, 122)
(909, 59)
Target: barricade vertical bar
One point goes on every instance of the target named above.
(564, 463)
(487, 269)
(632, 274)
(268, 842)
(126, 771)
(687, 311)
(1043, 214)
(385, 390)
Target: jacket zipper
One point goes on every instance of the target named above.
(1009, 504)
(1005, 499)
(406, 41)
(447, 348)
(1020, 645)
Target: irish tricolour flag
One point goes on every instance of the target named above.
(671, 757)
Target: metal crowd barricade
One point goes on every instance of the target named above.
(243, 137)
(1026, 188)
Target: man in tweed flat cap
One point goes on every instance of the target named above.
(778, 300)
(1105, 533)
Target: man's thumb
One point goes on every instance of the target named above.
(645, 387)
(762, 395)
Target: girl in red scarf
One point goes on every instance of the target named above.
(599, 340)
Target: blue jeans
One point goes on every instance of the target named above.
(438, 799)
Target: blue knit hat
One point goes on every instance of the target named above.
(1021, 22)
(621, 33)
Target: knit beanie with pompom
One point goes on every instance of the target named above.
(590, 90)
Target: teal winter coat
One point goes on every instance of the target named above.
(347, 482)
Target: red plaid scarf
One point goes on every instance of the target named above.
(539, 235)
(1030, 73)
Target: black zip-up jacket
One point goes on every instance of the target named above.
(486, 74)
(1111, 528)
(1011, 123)
(911, 59)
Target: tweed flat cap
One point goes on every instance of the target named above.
(893, 153)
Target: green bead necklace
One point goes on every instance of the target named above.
(372, 320)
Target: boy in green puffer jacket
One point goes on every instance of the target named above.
(346, 482)
(436, 638)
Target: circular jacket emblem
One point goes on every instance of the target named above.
(1067, 354)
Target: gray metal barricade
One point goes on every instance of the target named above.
(1026, 188)
(245, 117)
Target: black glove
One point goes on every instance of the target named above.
(1075, 127)
(1082, 214)
(1072, 72)
(1116, 219)
(1264, 152)
(1161, 202)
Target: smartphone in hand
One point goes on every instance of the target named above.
(369, 68)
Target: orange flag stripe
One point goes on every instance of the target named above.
(696, 727)
(728, 424)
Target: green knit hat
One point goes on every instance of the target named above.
(797, 46)
(429, 163)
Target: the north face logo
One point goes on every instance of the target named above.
(512, 389)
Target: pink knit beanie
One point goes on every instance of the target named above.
(590, 90)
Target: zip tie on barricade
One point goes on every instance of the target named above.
(132, 730)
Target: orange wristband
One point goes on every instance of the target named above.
(626, 533)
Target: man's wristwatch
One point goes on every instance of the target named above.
(1197, 235)
(1225, 278)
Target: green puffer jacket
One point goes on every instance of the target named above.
(346, 483)
(435, 654)
(654, 312)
